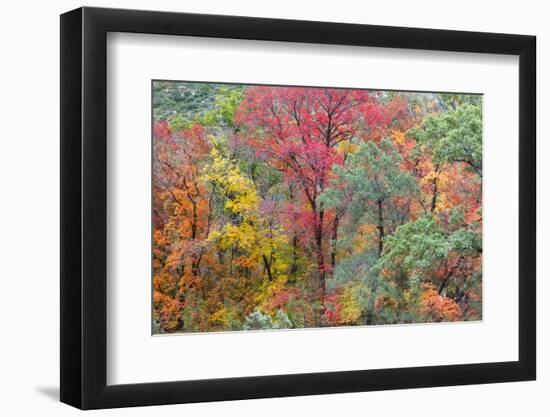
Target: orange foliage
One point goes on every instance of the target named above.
(437, 307)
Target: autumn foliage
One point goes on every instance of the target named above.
(287, 207)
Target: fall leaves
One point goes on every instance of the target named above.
(286, 207)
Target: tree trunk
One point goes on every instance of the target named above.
(334, 242)
(267, 265)
(294, 267)
(434, 183)
(320, 256)
(320, 290)
(380, 228)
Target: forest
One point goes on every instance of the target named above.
(278, 207)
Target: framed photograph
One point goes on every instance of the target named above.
(258, 208)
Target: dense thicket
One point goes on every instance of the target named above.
(280, 207)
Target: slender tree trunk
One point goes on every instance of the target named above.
(334, 242)
(380, 228)
(435, 191)
(449, 275)
(320, 290)
(194, 221)
(267, 265)
(445, 280)
(294, 267)
(320, 256)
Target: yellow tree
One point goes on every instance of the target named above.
(255, 242)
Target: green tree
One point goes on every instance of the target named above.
(453, 137)
(423, 252)
(372, 187)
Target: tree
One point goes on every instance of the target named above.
(181, 207)
(428, 257)
(298, 131)
(453, 137)
(375, 190)
(373, 187)
(252, 237)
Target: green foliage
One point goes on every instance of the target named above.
(452, 100)
(453, 137)
(178, 122)
(416, 247)
(358, 275)
(420, 247)
(355, 268)
(260, 321)
(189, 99)
(373, 174)
(184, 103)
(225, 106)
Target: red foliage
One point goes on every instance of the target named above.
(333, 311)
(297, 131)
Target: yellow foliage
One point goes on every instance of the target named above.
(253, 234)
(346, 147)
(227, 174)
(398, 137)
(271, 289)
(219, 317)
(351, 308)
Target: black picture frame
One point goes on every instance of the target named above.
(84, 207)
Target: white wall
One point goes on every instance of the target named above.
(29, 178)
